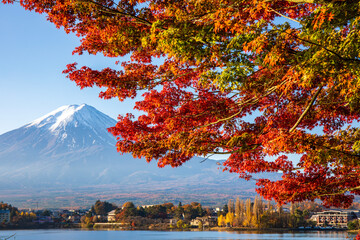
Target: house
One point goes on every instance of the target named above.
(5, 216)
(334, 218)
(173, 221)
(147, 206)
(74, 218)
(111, 216)
(208, 221)
(216, 210)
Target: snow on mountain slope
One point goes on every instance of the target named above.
(63, 131)
(64, 121)
(74, 115)
(70, 145)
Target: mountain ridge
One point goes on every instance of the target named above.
(70, 148)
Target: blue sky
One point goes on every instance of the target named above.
(33, 55)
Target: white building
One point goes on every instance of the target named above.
(5, 216)
(111, 216)
(334, 218)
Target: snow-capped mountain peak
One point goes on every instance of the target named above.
(74, 115)
(66, 129)
(55, 118)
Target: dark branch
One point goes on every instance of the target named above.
(306, 110)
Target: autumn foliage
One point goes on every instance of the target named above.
(258, 80)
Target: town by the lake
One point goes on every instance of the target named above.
(239, 214)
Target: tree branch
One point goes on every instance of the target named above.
(251, 101)
(117, 12)
(325, 48)
(306, 110)
(347, 153)
(223, 119)
(10, 236)
(339, 192)
(282, 15)
(301, 1)
(294, 1)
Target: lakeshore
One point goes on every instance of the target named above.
(159, 227)
(59, 234)
(238, 216)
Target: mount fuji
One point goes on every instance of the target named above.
(66, 130)
(69, 154)
(60, 146)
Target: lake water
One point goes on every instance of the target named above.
(164, 235)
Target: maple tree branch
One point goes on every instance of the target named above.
(282, 15)
(294, 6)
(252, 147)
(117, 12)
(323, 2)
(251, 101)
(339, 192)
(173, 79)
(306, 110)
(338, 151)
(300, 1)
(325, 48)
(294, 1)
(223, 119)
(9, 236)
(213, 153)
(333, 52)
(207, 158)
(155, 83)
(114, 3)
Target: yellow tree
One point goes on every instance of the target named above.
(231, 206)
(248, 214)
(256, 215)
(229, 219)
(238, 212)
(258, 209)
(221, 221)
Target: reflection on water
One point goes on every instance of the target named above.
(164, 235)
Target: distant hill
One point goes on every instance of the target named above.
(68, 158)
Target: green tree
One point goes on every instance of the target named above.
(102, 208)
(193, 210)
(179, 211)
(201, 226)
(141, 211)
(180, 224)
(157, 211)
(128, 210)
(46, 212)
(225, 209)
(353, 225)
(231, 206)
(298, 218)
